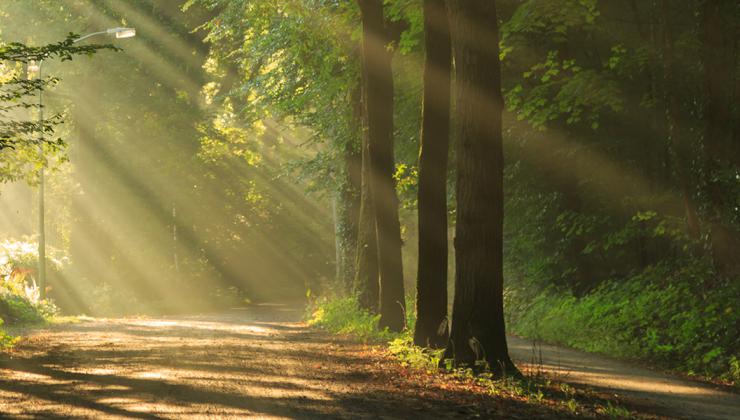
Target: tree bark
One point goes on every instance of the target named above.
(350, 185)
(431, 284)
(677, 139)
(478, 333)
(378, 82)
(367, 281)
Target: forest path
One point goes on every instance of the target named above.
(653, 392)
(261, 362)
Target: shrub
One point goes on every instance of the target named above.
(344, 316)
(20, 297)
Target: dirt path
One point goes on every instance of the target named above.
(653, 392)
(263, 363)
(260, 363)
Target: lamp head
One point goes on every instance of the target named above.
(122, 32)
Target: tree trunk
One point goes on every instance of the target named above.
(367, 284)
(378, 79)
(431, 285)
(478, 332)
(348, 206)
(677, 139)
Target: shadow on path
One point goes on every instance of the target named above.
(256, 362)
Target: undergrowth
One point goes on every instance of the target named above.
(665, 315)
(20, 297)
(344, 316)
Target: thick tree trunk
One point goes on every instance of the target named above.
(431, 285)
(378, 79)
(366, 285)
(478, 333)
(349, 194)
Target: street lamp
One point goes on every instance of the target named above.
(119, 33)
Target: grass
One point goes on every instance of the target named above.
(344, 316)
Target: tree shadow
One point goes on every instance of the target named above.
(122, 368)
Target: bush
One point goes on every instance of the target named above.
(344, 316)
(20, 297)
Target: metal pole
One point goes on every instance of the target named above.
(42, 181)
(174, 239)
(42, 225)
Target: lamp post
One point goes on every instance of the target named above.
(119, 33)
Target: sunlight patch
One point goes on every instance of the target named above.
(157, 324)
(625, 382)
(155, 374)
(101, 371)
(28, 376)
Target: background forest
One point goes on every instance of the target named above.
(216, 159)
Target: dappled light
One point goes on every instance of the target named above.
(369, 208)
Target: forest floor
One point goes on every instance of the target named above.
(263, 362)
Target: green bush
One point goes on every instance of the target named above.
(20, 297)
(6, 340)
(344, 316)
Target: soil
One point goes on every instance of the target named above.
(257, 363)
(262, 362)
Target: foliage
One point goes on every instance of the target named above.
(18, 130)
(416, 357)
(294, 62)
(344, 316)
(6, 340)
(598, 253)
(20, 301)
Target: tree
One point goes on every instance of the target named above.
(378, 102)
(431, 285)
(16, 91)
(367, 286)
(349, 196)
(676, 136)
(478, 333)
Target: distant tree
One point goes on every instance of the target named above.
(478, 333)
(431, 285)
(367, 286)
(378, 99)
(349, 195)
(722, 157)
(677, 137)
